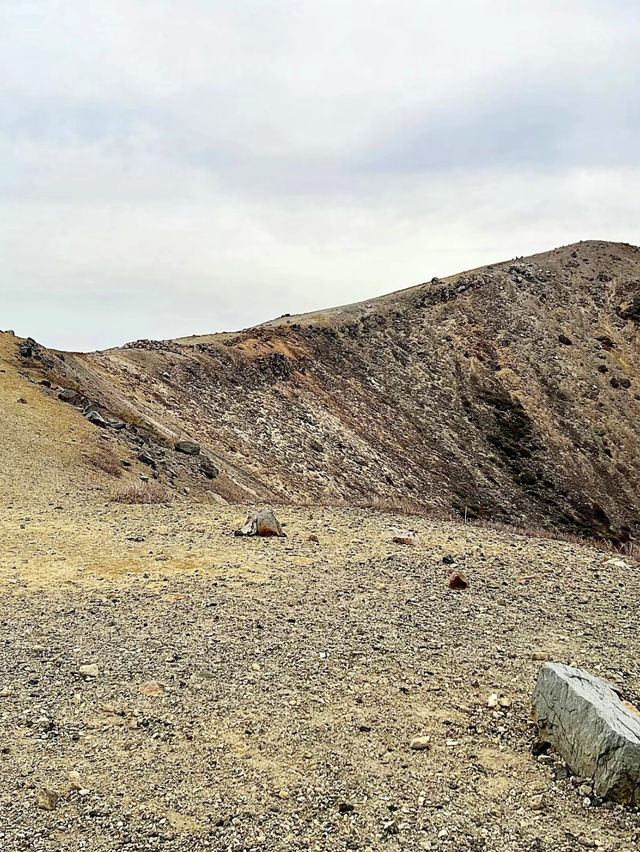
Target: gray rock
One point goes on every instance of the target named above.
(69, 395)
(263, 523)
(146, 458)
(536, 803)
(32, 350)
(28, 349)
(191, 448)
(208, 468)
(92, 412)
(595, 732)
(97, 419)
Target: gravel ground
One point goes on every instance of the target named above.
(263, 694)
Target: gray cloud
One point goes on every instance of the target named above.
(173, 167)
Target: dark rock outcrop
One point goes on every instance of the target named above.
(208, 468)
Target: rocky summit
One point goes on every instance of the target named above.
(292, 588)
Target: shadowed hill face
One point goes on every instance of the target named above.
(509, 392)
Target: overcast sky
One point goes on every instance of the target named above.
(170, 167)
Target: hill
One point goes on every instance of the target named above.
(508, 392)
(165, 684)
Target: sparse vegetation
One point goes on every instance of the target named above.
(513, 437)
(105, 460)
(144, 493)
(628, 548)
(466, 506)
(395, 506)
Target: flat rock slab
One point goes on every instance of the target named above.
(595, 732)
(190, 448)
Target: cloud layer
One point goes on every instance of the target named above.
(176, 167)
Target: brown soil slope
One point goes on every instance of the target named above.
(511, 391)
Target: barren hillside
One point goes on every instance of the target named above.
(167, 685)
(510, 391)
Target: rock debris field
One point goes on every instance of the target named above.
(166, 685)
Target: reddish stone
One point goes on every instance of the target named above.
(404, 539)
(458, 581)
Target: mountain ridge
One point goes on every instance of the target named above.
(508, 392)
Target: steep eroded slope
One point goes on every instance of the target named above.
(510, 391)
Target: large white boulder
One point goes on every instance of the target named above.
(595, 732)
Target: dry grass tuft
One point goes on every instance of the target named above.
(396, 506)
(148, 493)
(104, 460)
(629, 548)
